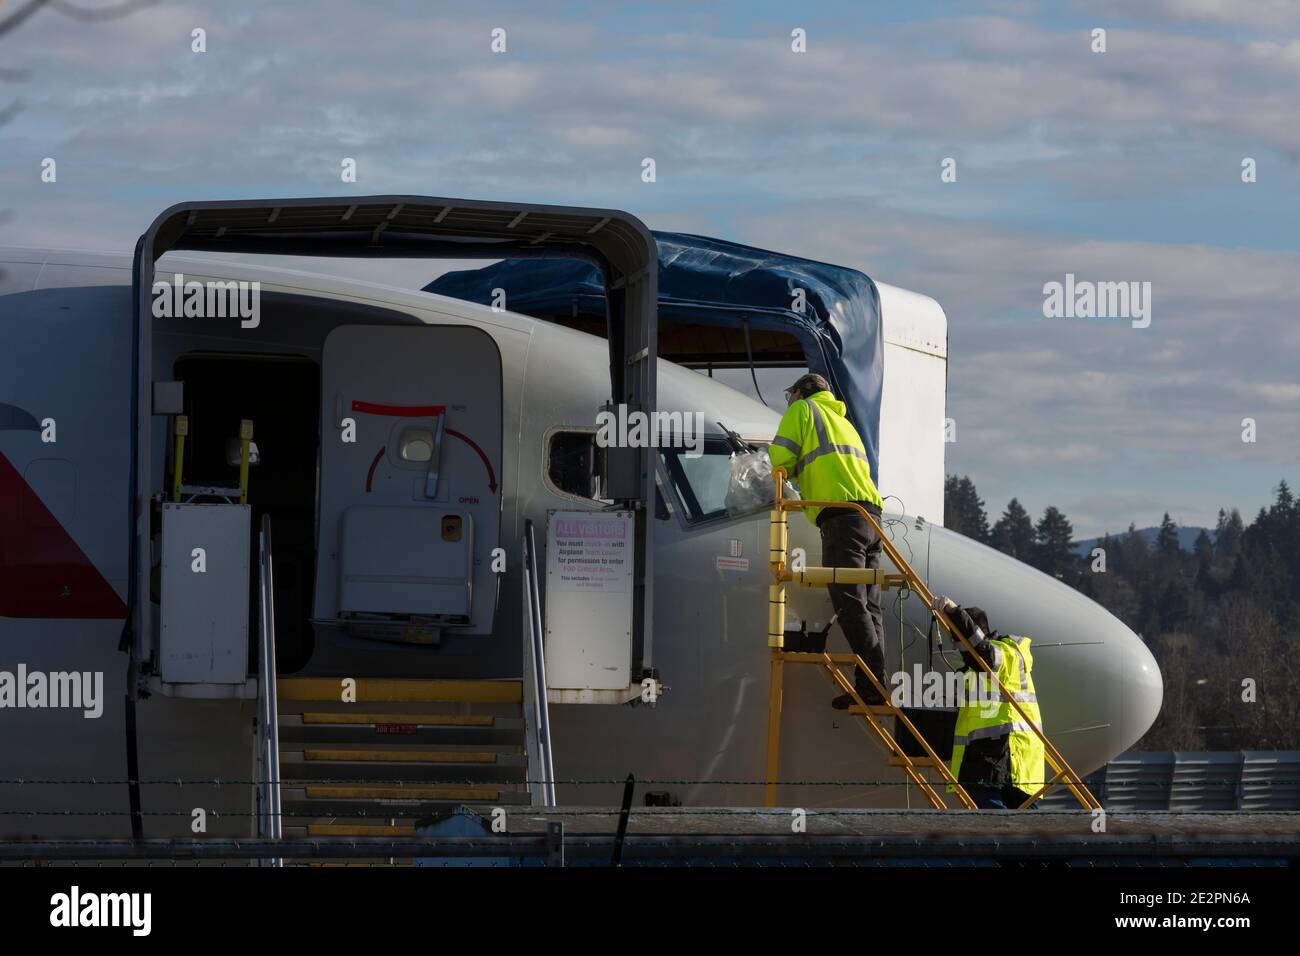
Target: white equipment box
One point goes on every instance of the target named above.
(205, 596)
(589, 557)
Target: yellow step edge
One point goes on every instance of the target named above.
(371, 689)
(353, 830)
(921, 763)
(878, 710)
(408, 756)
(422, 720)
(402, 793)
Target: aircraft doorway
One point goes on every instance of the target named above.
(280, 395)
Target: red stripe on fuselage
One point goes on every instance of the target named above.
(43, 571)
(399, 411)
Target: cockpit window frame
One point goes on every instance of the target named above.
(676, 486)
(548, 439)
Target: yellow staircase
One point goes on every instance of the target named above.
(388, 752)
(913, 767)
(873, 716)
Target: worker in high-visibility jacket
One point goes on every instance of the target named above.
(996, 757)
(821, 450)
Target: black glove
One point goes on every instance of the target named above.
(966, 624)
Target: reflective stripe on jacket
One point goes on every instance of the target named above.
(987, 715)
(821, 450)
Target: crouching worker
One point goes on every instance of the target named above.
(996, 757)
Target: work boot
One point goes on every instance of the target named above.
(870, 697)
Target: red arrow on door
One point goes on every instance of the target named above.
(492, 478)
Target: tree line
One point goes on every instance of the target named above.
(1221, 618)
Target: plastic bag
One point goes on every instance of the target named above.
(750, 487)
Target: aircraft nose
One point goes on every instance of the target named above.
(1138, 689)
(1098, 685)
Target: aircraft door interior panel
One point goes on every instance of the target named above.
(410, 504)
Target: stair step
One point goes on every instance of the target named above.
(922, 763)
(361, 804)
(388, 792)
(403, 766)
(877, 710)
(402, 756)
(505, 732)
(414, 720)
(370, 690)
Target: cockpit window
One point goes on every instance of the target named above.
(701, 482)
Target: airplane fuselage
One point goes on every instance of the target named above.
(65, 525)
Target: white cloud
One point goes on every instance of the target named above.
(1073, 402)
(1254, 14)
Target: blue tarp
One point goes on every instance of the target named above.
(707, 281)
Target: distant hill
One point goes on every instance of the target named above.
(1186, 538)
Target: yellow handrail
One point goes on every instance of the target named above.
(245, 439)
(182, 429)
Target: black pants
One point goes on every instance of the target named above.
(988, 797)
(985, 775)
(848, 541)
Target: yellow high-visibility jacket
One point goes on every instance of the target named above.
(994, 717)
(821, 450)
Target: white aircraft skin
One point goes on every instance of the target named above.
(66, 321)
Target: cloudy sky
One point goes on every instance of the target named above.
(1117, 166)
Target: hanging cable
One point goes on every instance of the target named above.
(749, 354)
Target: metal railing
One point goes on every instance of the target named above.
(537, 709)
(269, 821)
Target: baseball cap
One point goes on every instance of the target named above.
(809, 384)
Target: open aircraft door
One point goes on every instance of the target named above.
(410, 475)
